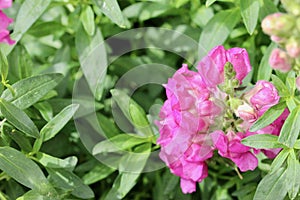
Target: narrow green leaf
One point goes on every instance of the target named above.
(268, 117)
(58, 122)
(291, 84)
(45, 109)
(262, 141)
(123, 101)
(67, 180)
(92, 58)
(53, 162)
(3, 66)
(266, 7)
(24, 170)
(20, 64)
(17, 136)
(209, 2)
(28, 13)
(291, 104)
(33, 194)
(293, 173)
(280, 86)
(127, 179)
(297, 144)
(290, 129)
(87, 19)
(118, 143)
(250, 11)
(18, 118)
(264, 69)
(279, 160)
(41, 29)
(221, 25)
(28, 91)
(112, 10)
(98, 173)
(139, 119)
(272, 186)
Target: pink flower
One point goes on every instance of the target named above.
(280, 60)
(4, 23)
(211, 67)
(5, 4)
(263, 96)
(184, 118)
(230, 146)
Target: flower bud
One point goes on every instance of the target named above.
(263, 96)
(246, 112)
(298, 83)
(292, 6)
(277, 39)
(293, 47)
(278, 24)
(280, 60)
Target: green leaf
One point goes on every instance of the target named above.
(262, 141)
(58, 122)
(118, 143)
(268, 117)
(279, 160)
(290, 129)
(24, 170)
(92, 58)
(33, 194)
(146, 10)
(112, 10)
(45, 109)
(18, 118)
(53, 162)
(139, 119)
(108, 126)
(280, 86)
(264, 69)
(293, 173)
(3, 66)
(28, 13)
(98, 173)
(16, 136)
(42, 29)
(221, 25)
(209, 2)
(69, 181)
(291, 104)
(123, 101)
(17, 60)
(297, 144)
(134, 163)
(179, 3)
(87, 19)
(28, 91)
(291, 84)
(272, 186)
(266, 7)
(250, 11)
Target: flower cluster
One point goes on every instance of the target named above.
(4, 22)
(202, 114)
(284, 30)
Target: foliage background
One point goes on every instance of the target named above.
(41, 153)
